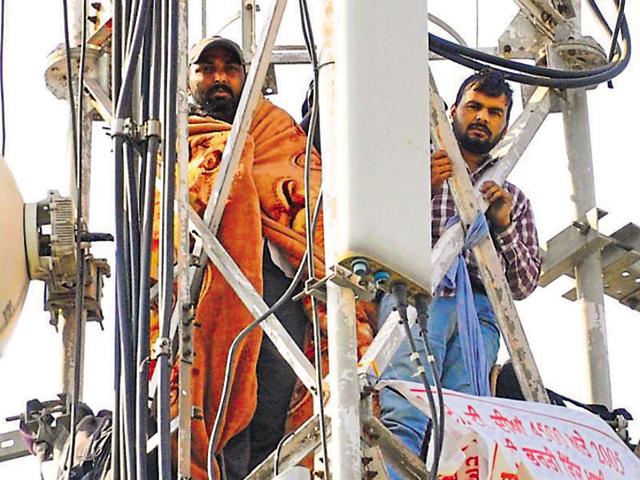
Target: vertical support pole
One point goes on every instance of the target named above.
(248, 16)
(344, 444)
(590, 290)
(186, 313)
(203, 19)
(589, 272)
(69, 339)
(75, 38)
(69, 335)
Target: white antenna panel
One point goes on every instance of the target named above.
(383, 167)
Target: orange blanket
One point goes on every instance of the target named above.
(266, 201)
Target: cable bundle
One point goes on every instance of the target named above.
(619, 58)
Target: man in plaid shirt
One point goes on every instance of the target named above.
(480, 119)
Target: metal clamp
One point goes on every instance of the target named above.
(162, 347)
(123, 127)
(151, 128)
(340, 276)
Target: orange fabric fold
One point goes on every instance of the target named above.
(267, 200)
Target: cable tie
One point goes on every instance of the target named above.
(414, 356)
(419, 371)
(162, 347)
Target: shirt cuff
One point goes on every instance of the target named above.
(506, 238)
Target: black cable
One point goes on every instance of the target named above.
(422, 309)
(148, 207)
(537, 70)
(80, 266)
(123, 305)
(116, 67)
(614, 35)
(539, 75)
(307, 31)
(533, 80)
(3, 110)
(616, 30)
(145, 107)
(116, 50)
(124, 87)
(133, 221)
(134, 9)
(124, 98)
(399, 291)
(115, 442)
(226, 386)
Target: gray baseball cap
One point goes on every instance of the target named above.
(216, 41)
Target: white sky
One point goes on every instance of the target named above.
(36, 153)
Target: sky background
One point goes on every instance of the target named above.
(37, 125)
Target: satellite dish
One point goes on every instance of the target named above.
(14, 277)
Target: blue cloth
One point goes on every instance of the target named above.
(397, 414)
(457, 278)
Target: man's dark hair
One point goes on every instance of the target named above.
(490, 83)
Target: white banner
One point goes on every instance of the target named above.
(499, 439)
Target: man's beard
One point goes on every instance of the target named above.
(219, 108)
(475, 145)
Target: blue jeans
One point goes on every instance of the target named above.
(397, 414)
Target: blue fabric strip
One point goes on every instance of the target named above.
(468, 324)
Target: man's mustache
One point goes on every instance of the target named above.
(479, 126)
(219, 88)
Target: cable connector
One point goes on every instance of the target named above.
(162, 347)
(399, 291)
(422, 309)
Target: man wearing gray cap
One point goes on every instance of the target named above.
(263, 230)
(216, 78)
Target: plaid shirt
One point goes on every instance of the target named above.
(517, 246)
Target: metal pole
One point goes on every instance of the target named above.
(75, 38)
(203, 19)
(590, 291)
(588, 272)
(344, 408)
(344, 444)
(248, 16)
(187, 314)
(69, 335)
